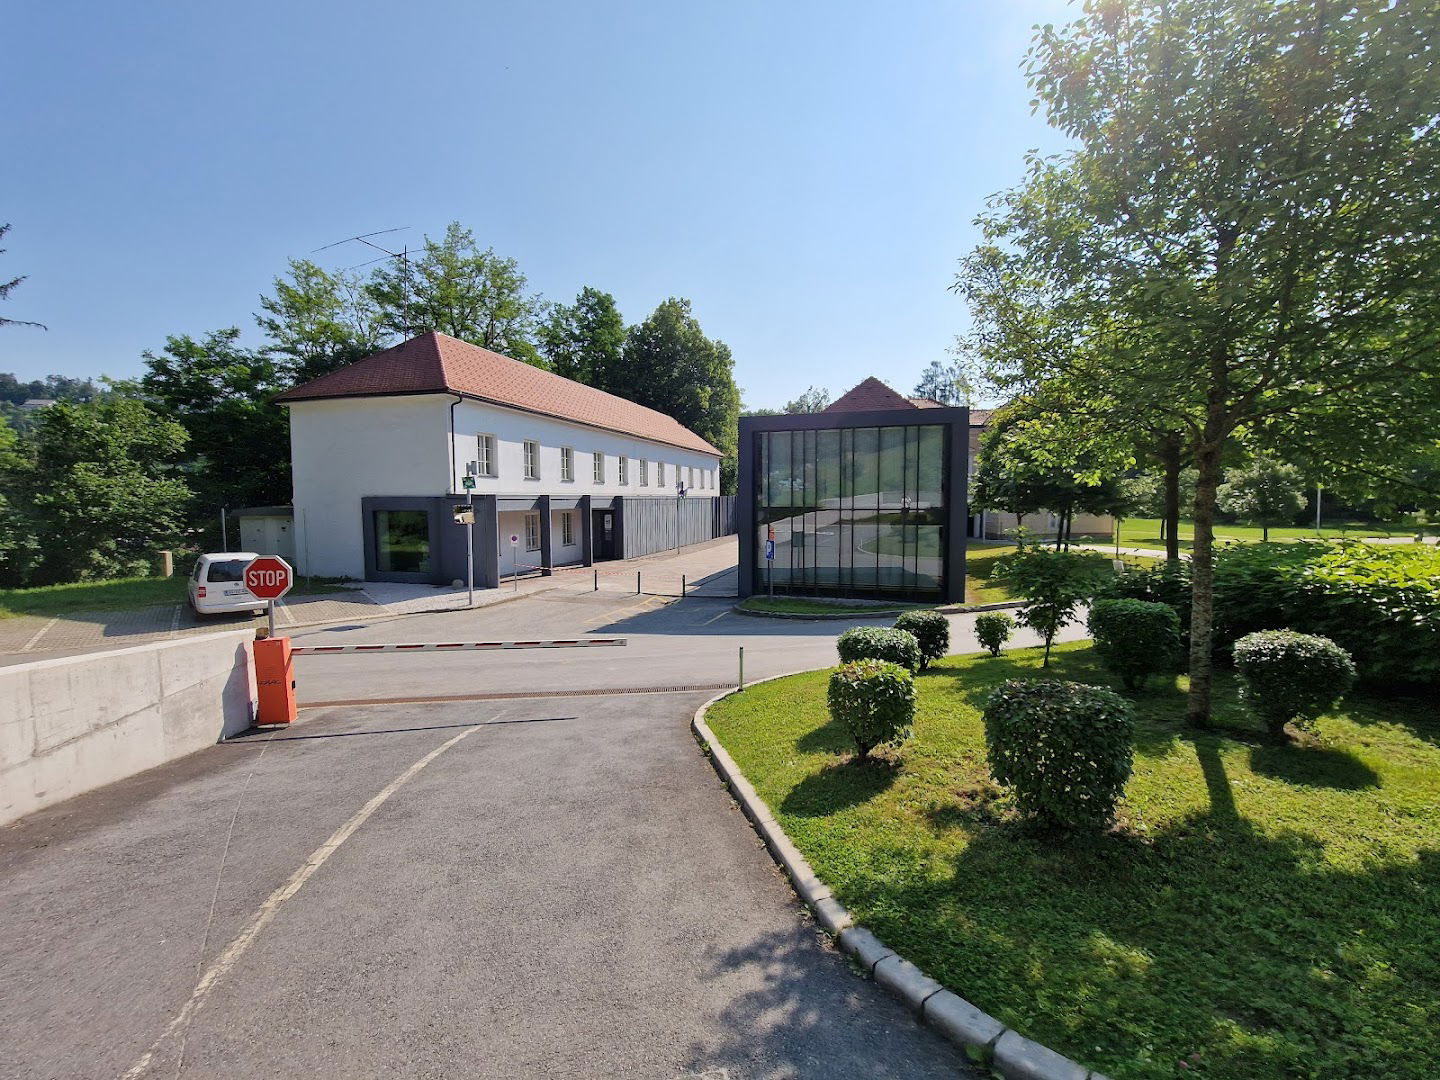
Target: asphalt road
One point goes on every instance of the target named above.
(545, 886)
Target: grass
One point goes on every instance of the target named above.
(1271, 909)
(1145, 532)
(980, 566)
(800, 605)
(122, 594)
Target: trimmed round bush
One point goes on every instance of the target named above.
(1286, 677)
(1063, 748)
(874, 700)
(932, 633)
(878, 643)
(993, 629)
(1136, 639)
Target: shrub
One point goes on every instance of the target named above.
(993, 629)
(874, 700)
(1055, 584)
(1167, 583)
(878, 643)
(1135, 638)
(932, 633)
(1287, 677)
(1064, 748)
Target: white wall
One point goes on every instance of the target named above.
(77, 723)
(346, 449)
(511, 427)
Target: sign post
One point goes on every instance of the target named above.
(770, 560)
(680, 494)
(268, 577)
(515, 561)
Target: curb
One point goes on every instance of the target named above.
(1001, 605)
(1010, 1054)
(817, 617)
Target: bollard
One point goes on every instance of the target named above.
(597, 580)
(274, 680)
(742, 667)
(682, 586)
(637, 582)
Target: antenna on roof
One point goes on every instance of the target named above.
(403, 255)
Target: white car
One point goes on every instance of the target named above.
(217, 584)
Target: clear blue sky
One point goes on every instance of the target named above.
(807, 174)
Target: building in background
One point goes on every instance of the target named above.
(382, 450)
(864, 499)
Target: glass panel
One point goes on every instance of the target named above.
(827, 470)
(892, 466)
(865, 467)
(930, 560)
(780, 478)
(402, 541)
(932, 467)
(807, 473)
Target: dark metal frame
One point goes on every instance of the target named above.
(955, 493)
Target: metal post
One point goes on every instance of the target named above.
(224, 534)
(637, 582)
(1317, 507)
(470, 546)
(597, 581)
(742, 667)
(682, 585)
(270, 608)
(514, 568)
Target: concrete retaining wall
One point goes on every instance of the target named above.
(77, 723)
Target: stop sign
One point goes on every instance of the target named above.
(268, 577)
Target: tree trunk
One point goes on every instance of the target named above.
(1202, 574)
(1170, 526)
(1264, 534)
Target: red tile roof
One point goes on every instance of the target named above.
(437, 364)
(925, 403)
(872, 394)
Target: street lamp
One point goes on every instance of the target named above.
(680, 493)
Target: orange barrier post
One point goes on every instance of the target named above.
(274, 681)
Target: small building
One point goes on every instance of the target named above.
(269, 530)
(864, 499)
(560, 474)
(35, 404)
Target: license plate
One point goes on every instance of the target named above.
(234, 592)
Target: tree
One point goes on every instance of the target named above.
(1265, 492)
(585, 341)
(318, 321)
(101, 490)
(223, 395)
(1054, 583)
(670, 365)
(455, 288)
(7, 287)
(812, 400)
(949, 384)
(1243, 240)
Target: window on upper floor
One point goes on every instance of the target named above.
(532, 460)
(644, 473)
(567, 464)
(484, 455)
(624, 471)
(659, 474)
(599, 468)
(567, 529)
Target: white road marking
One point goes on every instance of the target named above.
(267, 911)
(39, 634)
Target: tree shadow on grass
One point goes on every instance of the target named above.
(1314, 766)
(830, 737)
(844, 784)
(1250, 948)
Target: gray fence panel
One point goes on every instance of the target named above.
(652, 524)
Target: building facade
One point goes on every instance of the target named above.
(558, 473)
(864, 499)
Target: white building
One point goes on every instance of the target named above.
(382, 448)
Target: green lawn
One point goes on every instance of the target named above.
(122, 594)
(1145, 532)
(1272, 909)
(980, 564)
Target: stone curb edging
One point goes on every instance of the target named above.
(1012, 1055)
(950, 609)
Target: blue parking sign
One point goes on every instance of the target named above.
(769, 549)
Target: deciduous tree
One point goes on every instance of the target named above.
(1265, 492)
(585, 341)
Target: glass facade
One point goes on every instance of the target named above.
(852, 511)
(402, 541)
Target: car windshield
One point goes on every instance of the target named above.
(227, 570)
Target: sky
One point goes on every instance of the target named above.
(807, 174)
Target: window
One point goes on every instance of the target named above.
(567, 529)
(567, 464)
(599, 473)
(644, 473)
(624, 471)
(659, 474)
(484, 455)
(532, 532)
(402, 541)
(532, 460)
